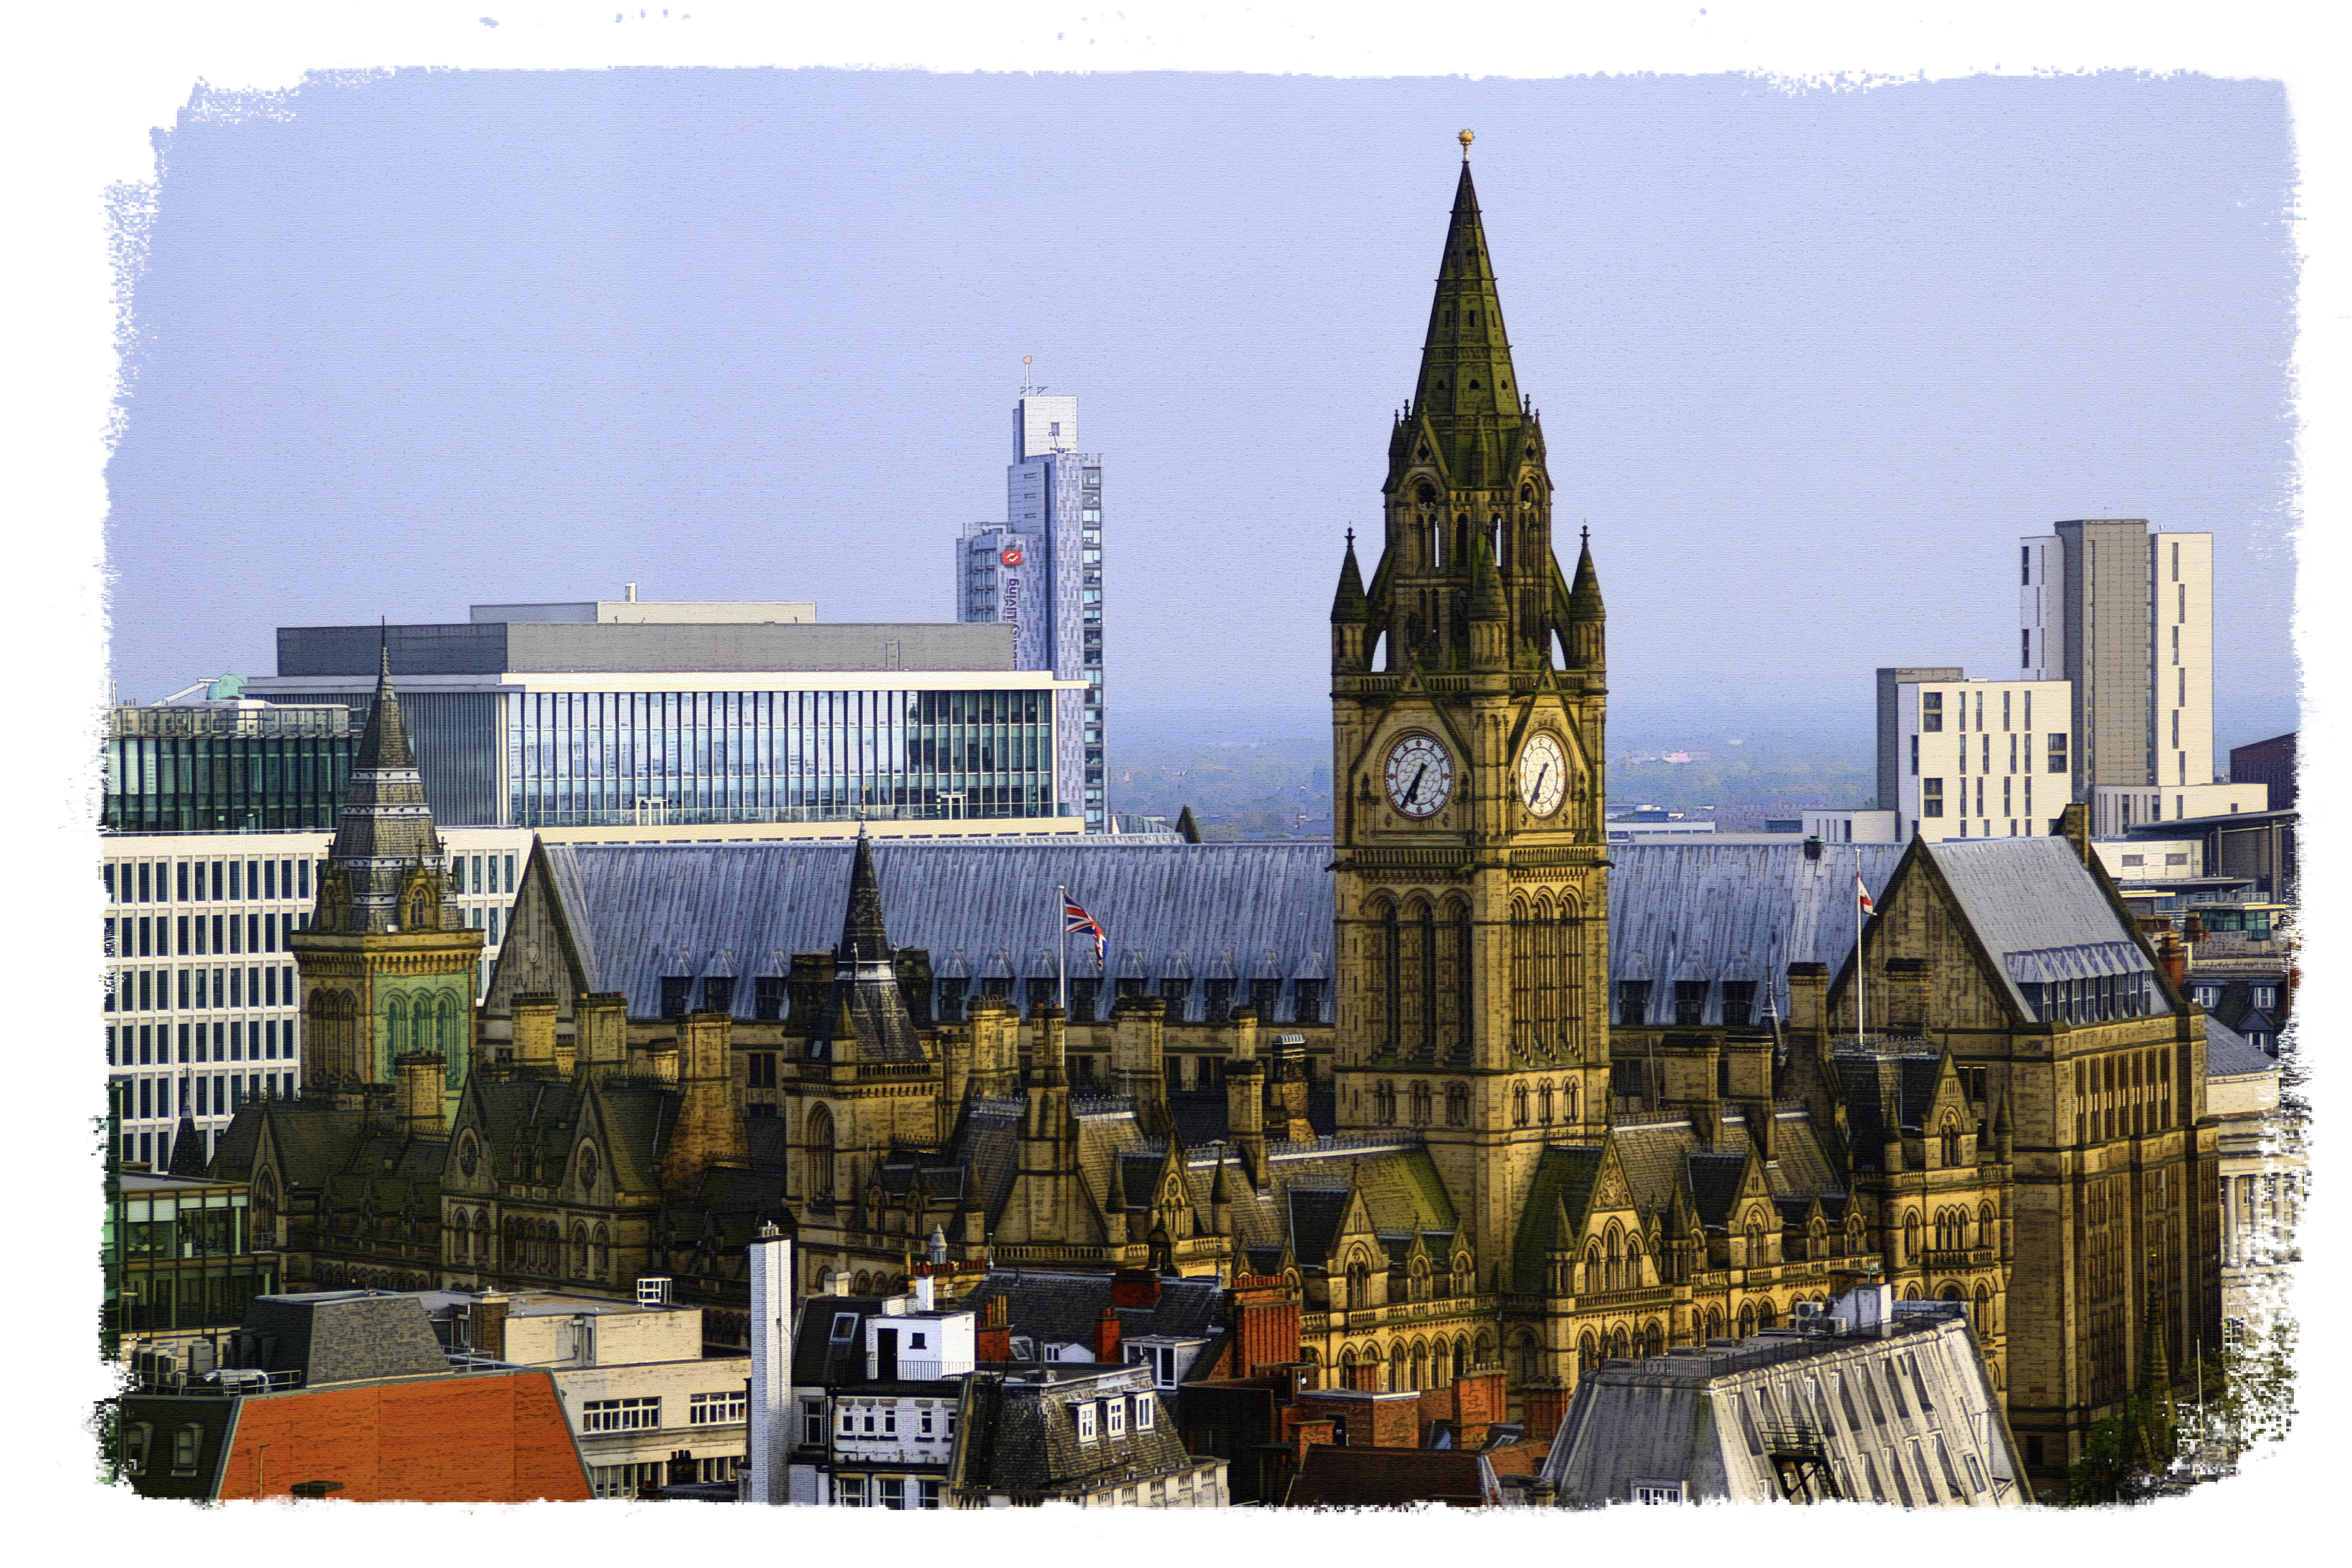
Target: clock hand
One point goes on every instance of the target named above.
(1413, 794)
(1542, 773)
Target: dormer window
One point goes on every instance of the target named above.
(1086, 1423)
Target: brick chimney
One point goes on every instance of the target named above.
(1135, 1288)
(2074, 826)
(1107, 1335)
(994, 1332)
(423, 1076)
(709, 1127)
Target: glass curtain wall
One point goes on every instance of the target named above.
(604, 758)
(224, 784)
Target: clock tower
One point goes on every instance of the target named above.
(1468, 694)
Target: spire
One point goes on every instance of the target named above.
(1487, 600)
(1347, 606)
(384, 743)
(187, 1147)
(384, 829)
(1465, 358)
(1586, 587)
(863, 942)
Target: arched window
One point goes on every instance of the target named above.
(1450, 1001)
(1755, 1243)
(1715, 1322)
(1633, 1280)
(1621, 1345)
(1575, 1110)
(1988, 1226)
(1543, 1103)
(1747, 1318)
(1387, 990)
(1592, 1274)
(1525, 1360)
(1765, 1316)
(1587, 1353)
(1360, 1284)
(1613, 1243)
(1405, 1368)
(579, 1250)
(1420, 1105)
(1571, 967)
(481, 1242)
(1461, 1358)
(395, 1027)
(1980, 1318)
(1653, 1338)
(1911, 1236)
(819, 1154)
(1416, 979)
(1523, 1011)
(1952, 1142)
(1518, 1105)
(1457, 1105)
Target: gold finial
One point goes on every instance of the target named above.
(1465, 138)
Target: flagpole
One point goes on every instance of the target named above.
(1062, 947)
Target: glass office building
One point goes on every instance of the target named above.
(601, 727)
(238, 767)
(606, 758)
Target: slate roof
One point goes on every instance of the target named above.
(1686, 911)
(632, 908)
(2038, 910)
(2228, 1053)
(1733, 911)
(1019, 1436)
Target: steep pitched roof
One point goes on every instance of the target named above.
(1733, 911)
(2038, 910)
(631, 909)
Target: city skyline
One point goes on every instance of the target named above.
(1844, 322)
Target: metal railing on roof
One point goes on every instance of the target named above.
(224, 1383)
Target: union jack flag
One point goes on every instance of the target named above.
(1076, 919)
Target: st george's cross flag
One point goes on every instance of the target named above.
(1074, 919)
(1861, 895)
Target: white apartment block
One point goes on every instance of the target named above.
(200, 1001)
(1977, 759)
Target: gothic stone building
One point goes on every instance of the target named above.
(1571, 1101)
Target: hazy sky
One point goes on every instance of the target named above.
(1808, 364)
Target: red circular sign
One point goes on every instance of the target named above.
(1010, 558)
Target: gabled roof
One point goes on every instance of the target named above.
(1019, 1436)
(2038, 910)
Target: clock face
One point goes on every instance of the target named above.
(1420, 776)
(1543, 773)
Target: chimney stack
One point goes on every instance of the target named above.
(422, 1076)
(770, 1435)
(1107, 1335)
(600, 1032)
(486, 1326)
(534, 1031)
(709, 1127)
(1246, 1099)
